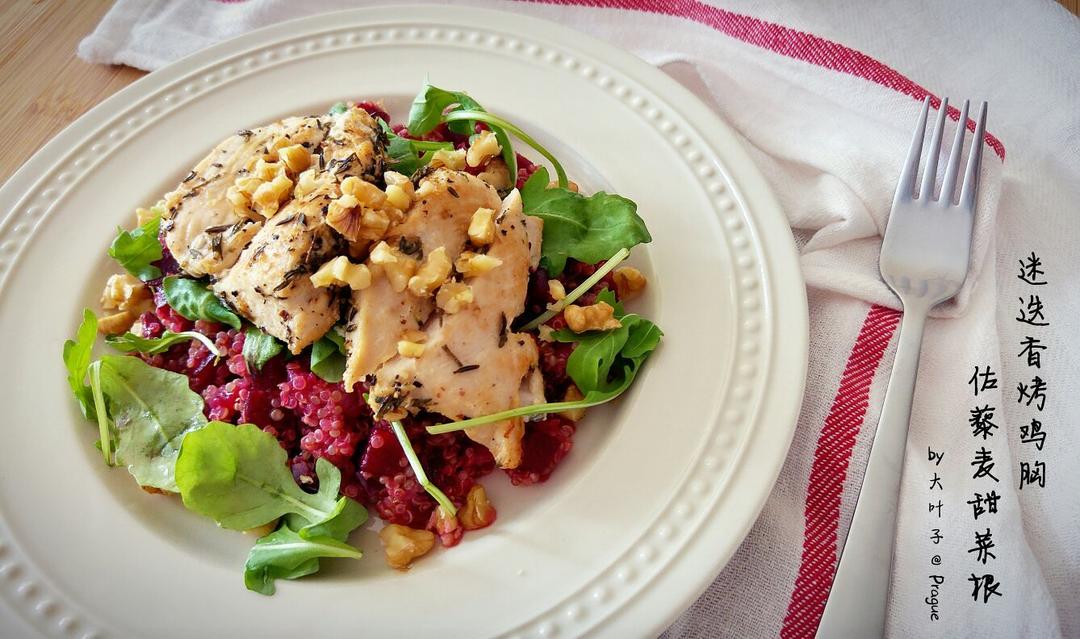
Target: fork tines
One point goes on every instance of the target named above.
(905, 190)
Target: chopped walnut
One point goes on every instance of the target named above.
(143, 215)
(556, 290)
(477, 511)
(454, 296)
(397, 266)
(431, 274)
(398, 197)
(402, 544)
(268, 197)
(406, 348)
(446, 526)
(496, 174)
(472, 264)
(310, 180)
(344, 216)
(365, 193)
(341, 272)
(454, 160)
(482, 227)
(267, 171)
(117, 323)
(483, 147)
(629, 282)
(597, 317)
(573, 394)
(295, 158)
(125, 292)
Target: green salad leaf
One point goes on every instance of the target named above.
(77, 356)
(294, 549)
(195, 301)
(328, 357)
(602, 365)
(137, 250)
(346, 516)
(338, 108)
(239, 477)
(409, 156)
(588, 229)
(428, 106)
(606, 362)
(132, 343)
(150, 413)
(429, 110)
(287, 554)
(259, 348)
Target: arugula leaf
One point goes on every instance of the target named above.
(195, 301)
(427, 109)
(286, 554)
(427, 112)
(294, 549)
(77, 354)
(137, 250)
(151, 412)
(259, 348)
(338, 108)
(597, 352)
(132, 343)
(409, 156)
(602, 365)
(588, 229)
(346, 516)
(328, 357)
(239, 477)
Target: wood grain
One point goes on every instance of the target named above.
(46, 87)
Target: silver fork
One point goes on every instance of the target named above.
(924, 259)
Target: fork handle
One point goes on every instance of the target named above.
(859, 596)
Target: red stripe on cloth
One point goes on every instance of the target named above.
(829, 471)
(787, 42)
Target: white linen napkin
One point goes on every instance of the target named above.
(829, 126)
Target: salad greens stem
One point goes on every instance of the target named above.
(494, 120)
(418, 469)
(523, 411)
(102, 416)
(573, 295)
(130, 342)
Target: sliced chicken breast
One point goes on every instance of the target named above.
(270, 285)
(444, 205)
(354, 145)
(472, 364)
(202, 230)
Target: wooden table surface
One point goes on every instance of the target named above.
(46, 87)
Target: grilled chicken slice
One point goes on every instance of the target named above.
(440, 216)
(354, 145)
(270, 285)
(202, 230)
(472, 363)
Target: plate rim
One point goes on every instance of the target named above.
(755, 196)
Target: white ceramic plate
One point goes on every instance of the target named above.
(660, 488)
